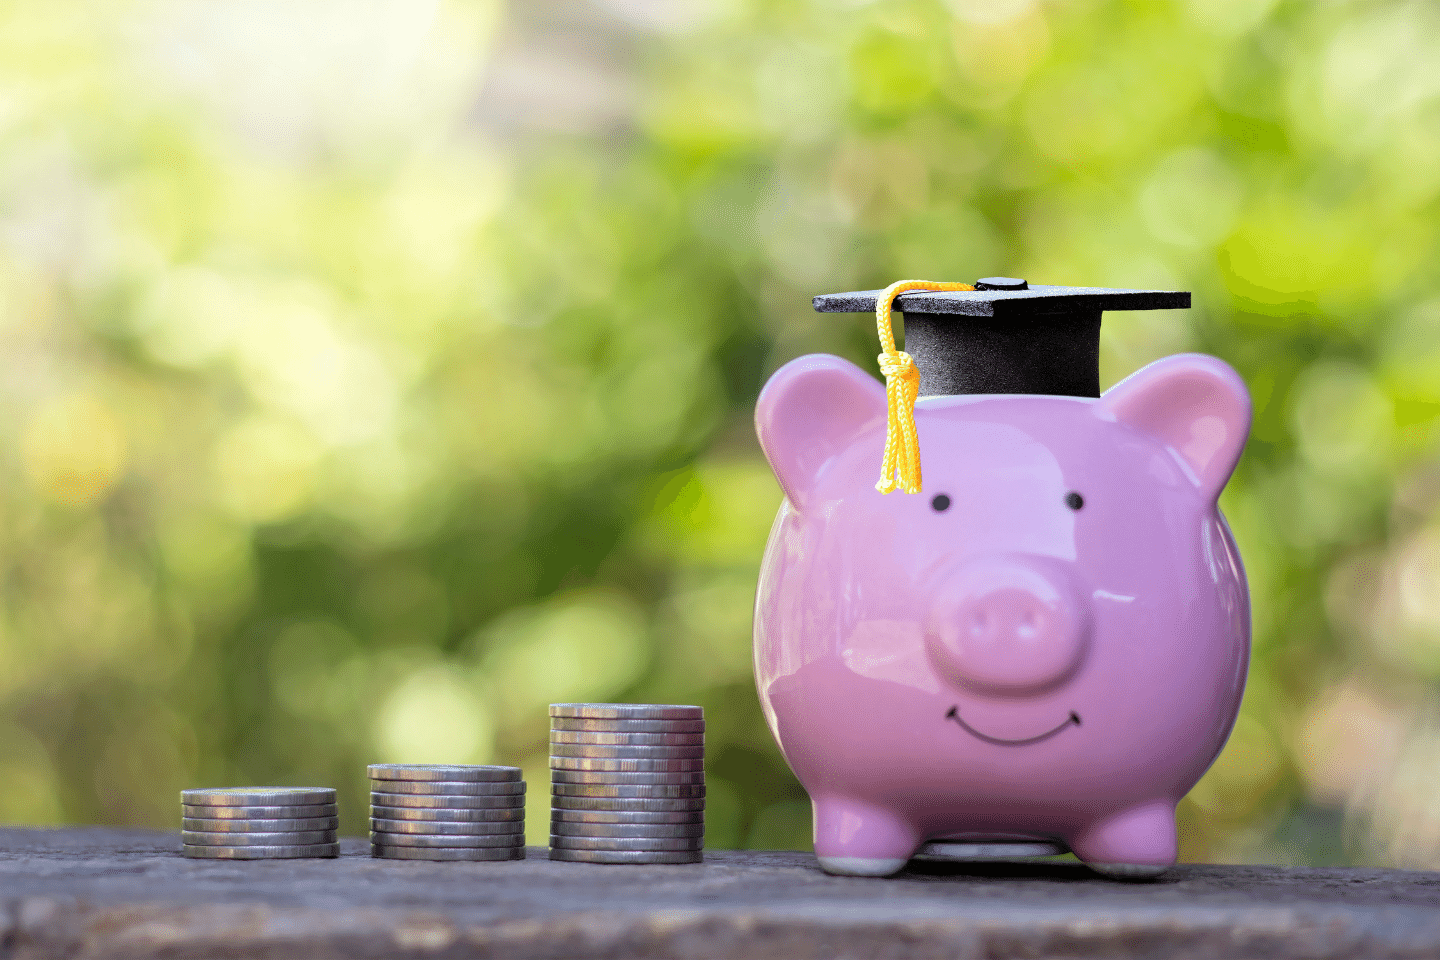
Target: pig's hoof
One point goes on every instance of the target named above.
(1138, 843)
(862, 866)
(1129, 871)
(852, 837)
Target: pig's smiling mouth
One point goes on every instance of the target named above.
(954, 714)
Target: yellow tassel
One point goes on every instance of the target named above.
(902, 386)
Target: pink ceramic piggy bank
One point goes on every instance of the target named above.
(1049, 643)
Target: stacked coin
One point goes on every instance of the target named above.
(438, 812)
(260, 823)
(627, 783)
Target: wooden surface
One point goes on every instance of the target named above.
(119, 893)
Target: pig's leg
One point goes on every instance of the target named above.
(1139, 843)
(860, 839)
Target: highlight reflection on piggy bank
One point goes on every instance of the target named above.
(1050, 643)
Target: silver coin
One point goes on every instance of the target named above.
(287, 852)
(627, 766)
(448, 853)
(596, 751)
(436, 771)
(470, 829)
(620, 817)
(563, 828)
(260, 826)
(625, 803)
(628, 739)
(422, 801)
(627, 791)
(639, 857)
(609, 776)
(260, 813)
(626, 843)
(202, 838)
(448, 814)
(258, 796)
(449, 842)
(627, 726)
(627, 711)
(449, 788)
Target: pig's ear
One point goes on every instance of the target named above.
(1196, 405)
(812, 409)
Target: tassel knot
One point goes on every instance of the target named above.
(900, 364)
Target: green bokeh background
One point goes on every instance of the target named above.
(376, 372)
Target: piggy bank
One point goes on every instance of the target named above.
(1048, 644)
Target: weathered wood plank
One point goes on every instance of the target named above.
(112, 893)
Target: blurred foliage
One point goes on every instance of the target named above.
(376, 372)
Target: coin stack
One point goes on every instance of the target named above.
(438, 812)
(260, 823)
(627, 783)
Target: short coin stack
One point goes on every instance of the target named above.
(438, 812)
(260, 823)
(627, 783)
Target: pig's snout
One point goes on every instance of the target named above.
(1011, 626)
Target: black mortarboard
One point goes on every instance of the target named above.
(1006, 336)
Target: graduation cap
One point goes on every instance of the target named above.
(998, 335)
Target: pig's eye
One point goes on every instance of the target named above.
(941, 503)
(1074, 501)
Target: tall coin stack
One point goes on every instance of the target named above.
(627, 783)
(437, 812)
(260, 823)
